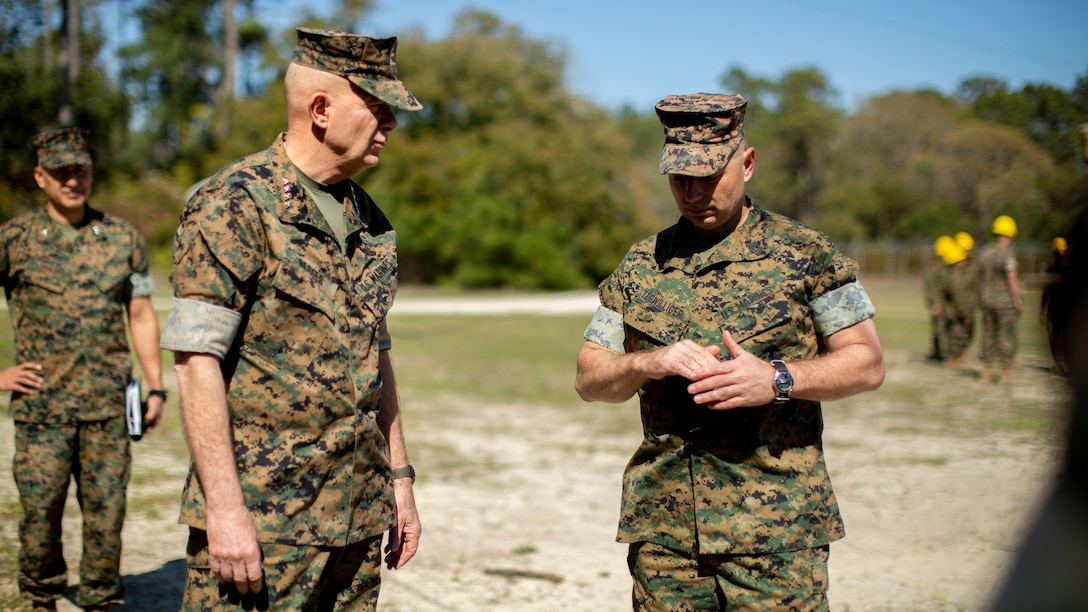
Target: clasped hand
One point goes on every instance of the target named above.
(744, 380)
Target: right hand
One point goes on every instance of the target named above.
(22, 378)
(234, 556)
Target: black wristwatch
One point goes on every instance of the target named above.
(405, 472)
(783, 381)
(159, 393)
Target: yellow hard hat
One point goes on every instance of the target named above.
(1004, 226)
(965, 241)
(953, 255)
(1059, 245)
(941, 244)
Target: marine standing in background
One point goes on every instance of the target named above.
(71, 274)
(959, 301)
(931, 285)
(1054, 303)
(284, 271)
(967, 242)
(999, 301)
(731, 327)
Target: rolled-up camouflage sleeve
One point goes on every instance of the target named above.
(214, 256)
(840, 308)
(836, 297)
(199, 327)
(606, 327)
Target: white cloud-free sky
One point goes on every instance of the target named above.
(636, 51)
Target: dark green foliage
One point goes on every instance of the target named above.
(506, 179)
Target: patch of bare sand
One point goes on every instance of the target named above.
(520, 503)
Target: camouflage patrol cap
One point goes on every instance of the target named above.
(60, 148)
(370, 63)
(701, 132)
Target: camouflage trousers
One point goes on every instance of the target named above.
(297, 578)
(957, 335)
(675, 581)
(96, 454)
(999, 336)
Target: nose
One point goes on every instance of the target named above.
(693, 190)
(388, 119)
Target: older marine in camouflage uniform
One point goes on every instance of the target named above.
(731, 326)
(999, 301)
(284, 271)
(71, 274)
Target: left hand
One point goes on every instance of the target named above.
(403, 539)
(745, 380)
(154, 413)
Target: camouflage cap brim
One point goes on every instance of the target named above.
(695, 159)
(393, 93)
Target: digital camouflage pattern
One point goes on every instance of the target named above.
(67, 290)
(297, 578)
(68, 293)
(745, 481)
(667, 580)
(370, 63)
(958, 295)
(999, 316)
(47, 455)
(702, 131)
(60, 148)
(303, 386)
(994, 262)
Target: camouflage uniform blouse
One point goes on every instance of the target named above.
(744, 481)
(994, 264)
(68, 290)
(260, 281)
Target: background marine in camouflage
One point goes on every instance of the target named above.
(999, 300)
(284, 271)
(731, 326)
(71, 274)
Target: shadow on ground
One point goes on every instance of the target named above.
(156, 591)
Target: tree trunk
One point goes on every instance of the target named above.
(69, 72)
(230, 57)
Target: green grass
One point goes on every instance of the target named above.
(496, 358)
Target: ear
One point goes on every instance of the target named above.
(320, 107)
(749, 161)
(39, 177)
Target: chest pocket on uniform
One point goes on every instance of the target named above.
(764, 324)
(650, 325)
(298, 300)
(376, 280)
(115, 271)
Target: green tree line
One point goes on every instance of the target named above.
(508, 179)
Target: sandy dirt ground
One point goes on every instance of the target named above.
(520, 502)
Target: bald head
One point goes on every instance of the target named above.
(301, 84)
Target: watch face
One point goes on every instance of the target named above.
(783, 380)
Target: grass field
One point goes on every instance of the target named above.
(530, 360)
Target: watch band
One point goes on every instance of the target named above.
(163, 393)
(405, 472)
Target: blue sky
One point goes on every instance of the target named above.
(635, 52)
